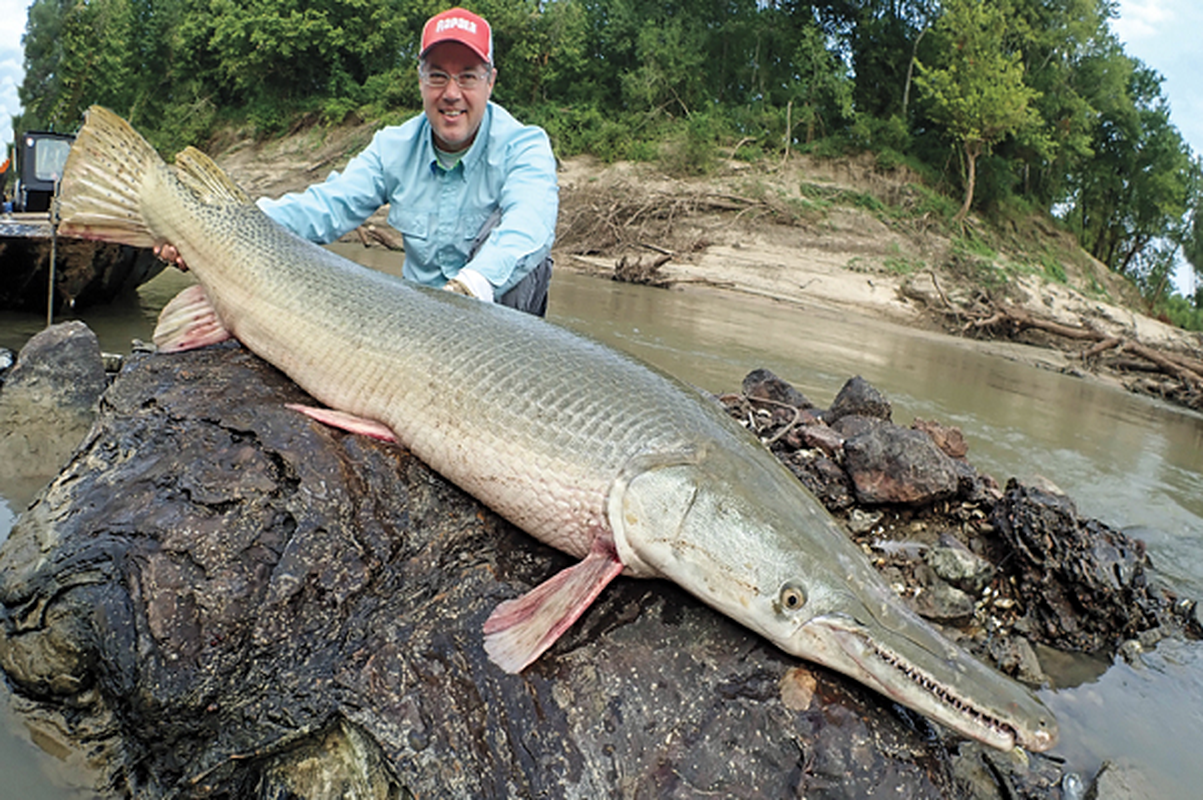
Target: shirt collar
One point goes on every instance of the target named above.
(476, 151)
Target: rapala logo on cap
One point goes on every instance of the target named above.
(455, 22)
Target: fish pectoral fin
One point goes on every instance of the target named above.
(189, 321)
(346, 422)
(519, 630)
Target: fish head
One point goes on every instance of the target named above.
(744, 536)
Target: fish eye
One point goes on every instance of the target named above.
(792, 597)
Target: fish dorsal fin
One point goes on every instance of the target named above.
(519, 630)
(208, 181)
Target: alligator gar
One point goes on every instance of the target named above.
(585, 448)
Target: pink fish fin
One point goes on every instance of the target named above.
(519, 630)
(346, 422)
(189, 321)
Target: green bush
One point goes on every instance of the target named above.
(691, 148)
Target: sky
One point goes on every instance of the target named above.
(1163, 34)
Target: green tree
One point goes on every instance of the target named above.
(40, 88)
(1131, 207)
(978, 91)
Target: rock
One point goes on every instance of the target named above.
(976, 770)
(825, 479)
(1015, 656)
(762, 384)
(860, 522)
(947, 438)
(957, 564)
(1122, 781)
(1084, 584)
(889, 464)
(227, 599)
(943, 603)
(48, 401)
(854, 424)
(922, 287)
(822, 438)
(857, 396)
(7, 359)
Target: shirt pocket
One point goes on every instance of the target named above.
(411, 223)
(472, 221)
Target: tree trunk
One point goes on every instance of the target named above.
(973, 149)
(910, 71)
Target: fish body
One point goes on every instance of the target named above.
(583, 447)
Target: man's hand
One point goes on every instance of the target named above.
(167, 253)
(472, 283)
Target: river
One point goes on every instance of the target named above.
(1132, 462)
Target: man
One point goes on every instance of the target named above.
(472, 191)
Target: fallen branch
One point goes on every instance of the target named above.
(636, 271)
(1182, 373)
(1101, 347)
(387, 237)
(1186, 370)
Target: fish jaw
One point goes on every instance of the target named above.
(741, 534)
(919, 669)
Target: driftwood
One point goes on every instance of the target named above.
(636, 271)
(1185, 369)
(385, 236)
(603, 220)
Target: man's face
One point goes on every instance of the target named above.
(454, 112)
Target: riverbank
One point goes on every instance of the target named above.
(845, 236)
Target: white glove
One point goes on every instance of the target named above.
(470, 282)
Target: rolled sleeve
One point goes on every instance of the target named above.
(529, 203)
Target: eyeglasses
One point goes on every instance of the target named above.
(437, 79)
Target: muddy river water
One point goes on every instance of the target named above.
(1134, 463)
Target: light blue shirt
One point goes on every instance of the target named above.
(440, 212)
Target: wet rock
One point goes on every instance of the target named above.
(950, 439)
(984, 774)
(862, 521)
(855, 424)
(822, 438)
(1015, 656)
(48, 401)
(957, 564)
(230, 600)
(859, 397)
(1121, 781)
(825, 479)
(889, 464)
(1084, 585)
(762, 384)
(7, 359)
(942, 602)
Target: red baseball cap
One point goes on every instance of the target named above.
(459, 25)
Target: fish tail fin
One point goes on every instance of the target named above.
(519, 630)
(100, 195)
(208, 182)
